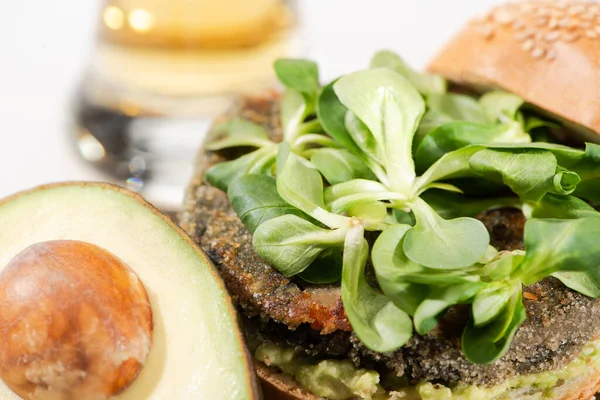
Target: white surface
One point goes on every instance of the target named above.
(45, 46)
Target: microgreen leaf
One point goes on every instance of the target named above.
(489, 343)
(291, 243)
(255, 199)
(567, 157)
(293, 112)
(580, 281)
(374, 212)
(489, 255)
(456, 135)
(344, 203)
(431, 120)
(439, 300)
(499, 105)
(456, 164)
(355, 186)
(339, 165)
(528, 173)
(301, 76)
(404, 217)
(452, 205)
(451, 166)
(459, 107)
(489, 302)
(404, 281)
(260, 162)
(564, 182)
(589, 190)
(326, 269)
(299, 180)
(450, 137)
(533, 122)
(332, 114)
(391, 108)
(425, 83)
(444, 244)
(502, 265)
(592, 153)
(562, 207)
(560, 245)
(300, 184)
(366, 141)
(306, 142)
(236, 133)
(389, 262)
(587, 168)
(428, 276)
(377, 322)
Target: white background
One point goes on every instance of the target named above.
(45, 45)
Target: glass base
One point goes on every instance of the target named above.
(151, 155)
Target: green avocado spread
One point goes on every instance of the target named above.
(340, 380)
(333, 379)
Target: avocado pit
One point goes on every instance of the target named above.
(75, 322)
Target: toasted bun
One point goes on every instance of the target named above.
(546, 51)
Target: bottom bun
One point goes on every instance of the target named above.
(279, 386)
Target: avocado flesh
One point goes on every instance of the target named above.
(198, 350)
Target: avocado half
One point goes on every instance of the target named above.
(197, 349)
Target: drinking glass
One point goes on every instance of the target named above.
(161, 70)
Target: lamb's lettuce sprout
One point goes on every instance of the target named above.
(390, 152)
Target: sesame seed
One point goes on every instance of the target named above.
(566, 23)
(487, 31)
(552, 36)
(538, 52)
(576, 10)
(557, 13)
(541, 21)
(522, 36)
(542, 12)
(504, 17)
(518, 25)
(528, 45)
(527, 7)
(588, 16)
(571, 37)
(538, 24)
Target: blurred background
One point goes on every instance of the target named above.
(123, 90)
